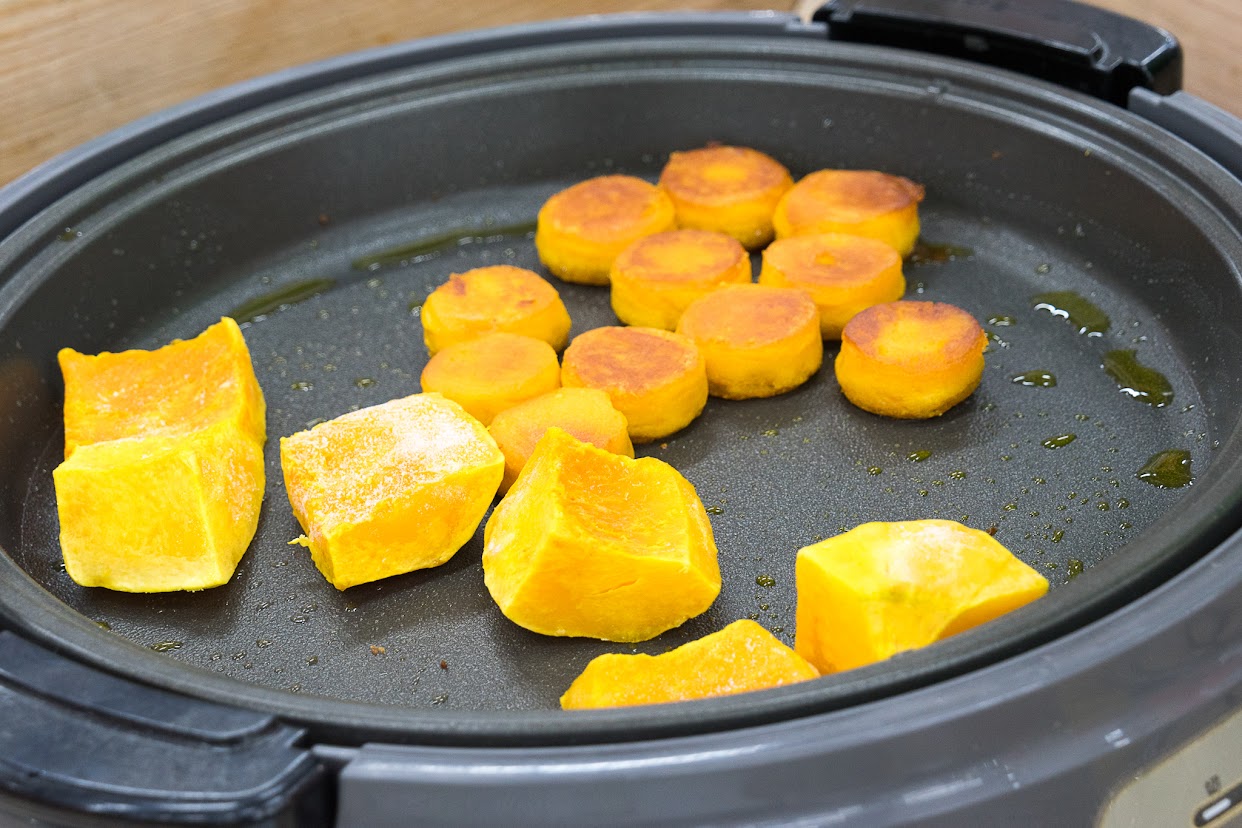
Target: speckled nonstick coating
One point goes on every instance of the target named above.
(1048, 192)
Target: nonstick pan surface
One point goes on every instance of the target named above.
(329, 217)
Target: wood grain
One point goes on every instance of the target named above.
(74, 69)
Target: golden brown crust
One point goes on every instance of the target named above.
(913, 333)
(748, 315)
(722, 174)
(601, 208)
(630, 359)
(680, 256)
(849, 195)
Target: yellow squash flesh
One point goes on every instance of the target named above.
(591, 543)
(390, 489)
(882, 588)
(163, 477)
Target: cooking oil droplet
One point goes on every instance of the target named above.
(301, 385)
(103, 625)
(934, 253)
(259, 308)
(364, 382)
(1059, 441)
(312, 661)
(69, 234)
(874, 470)
(1073, 569)
(771, 432)
(1167, 469)
(167, 646)
(765, 580)
(958, 474)
(1058, 535)
(918, 456)
(1038, 378)
(262, 643)
(714, 510)
(1043, 267)
(1080, 312)
(1002, 321)
(1136, 380)
(440, 699)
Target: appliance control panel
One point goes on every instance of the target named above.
(1199, 785)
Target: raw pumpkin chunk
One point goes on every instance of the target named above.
(494, 372)
(591, 543)
(491, 299)
(844, 274)
(657, 277)
(757, 340)
(657, 379)
(585, 413)
(163, 477)
(581, 230)
(731, 190)
(910, 360)
(882, 588)
(740, 658)
(177, 389)
(391, 488)
(858, 202)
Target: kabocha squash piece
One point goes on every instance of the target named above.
(591, 543)
(494, 372)
(844, 274)
(858, 202)
(585, 413)
(910, 360)
(163, 477)
(390, 489)
(740, 658)
(491, 299)
(757, 340)
(657, 379)
(657, 277)
(581, 230)
(181, 387)
(732, 190)
(882, 588)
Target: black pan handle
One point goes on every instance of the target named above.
(1082, 47)
(78, 744)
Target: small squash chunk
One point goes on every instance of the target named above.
(494, 372)
(177, 389)
(591, 543)
(732, 190)
(910, 360)
(882, 588)
(740, 658)
(581, 230)
(163, 477)
(657, 277)
(843, 274)
(490, 299)
(585, 413)
(657, 379)
(391, 488)
(757, 340)
(857, 202)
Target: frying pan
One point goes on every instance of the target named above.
(323, 207)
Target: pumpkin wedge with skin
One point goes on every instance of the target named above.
(882, 588)
(390, 489)
(738, 659)
(591, 543)
(163, 477)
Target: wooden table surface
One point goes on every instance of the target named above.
(73, 69)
